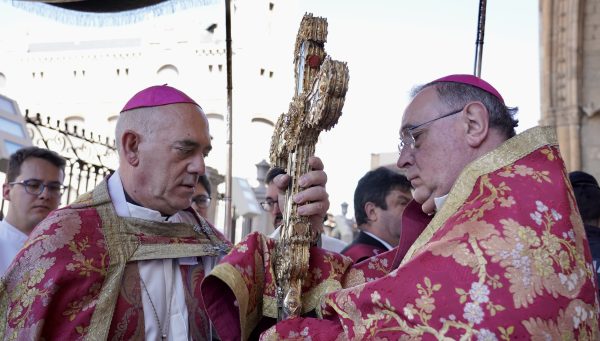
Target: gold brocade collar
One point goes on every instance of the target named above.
(506, 154)
(166, 236)
(133, 239)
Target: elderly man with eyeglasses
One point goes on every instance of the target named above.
(504, 257)
(33, 189)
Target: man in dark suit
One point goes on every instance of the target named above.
(587, 194)
(379, 201)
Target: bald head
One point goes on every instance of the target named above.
(161, 154)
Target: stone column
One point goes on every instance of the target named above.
(215, 179)
(561, 70)
(264, 221)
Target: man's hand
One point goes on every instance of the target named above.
(314, 193)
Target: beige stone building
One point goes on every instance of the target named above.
(570, 79)
(81, 68)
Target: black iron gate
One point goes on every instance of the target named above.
(90, 157)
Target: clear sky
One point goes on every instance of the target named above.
(392, 45)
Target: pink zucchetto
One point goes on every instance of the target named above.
(155, 96)
(474, 81)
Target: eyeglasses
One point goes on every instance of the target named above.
(268, 204)
(407, 135)
(36, 187)
(201, 201)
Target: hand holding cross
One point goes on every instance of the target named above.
(321, 85)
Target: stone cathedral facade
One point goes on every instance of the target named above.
(81, 68)
(570, 79)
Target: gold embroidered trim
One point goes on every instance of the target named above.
(161, 229)
(509, 152)
(3, 307)
(163, 251)
(229, 274)
(248, 320)
(310, 300)
(119, 250)
(123, 246)
(354, 277)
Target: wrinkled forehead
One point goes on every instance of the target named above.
(189, 115)
(421, 108)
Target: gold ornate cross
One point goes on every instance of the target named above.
(320, 90)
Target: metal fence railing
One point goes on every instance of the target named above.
(90, 158)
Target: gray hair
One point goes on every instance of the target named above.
(457, 95)
(140, 120)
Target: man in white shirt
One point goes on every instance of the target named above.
(33, 188)
(272, 206)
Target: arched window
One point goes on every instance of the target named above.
(75, 123)
(263, 120)
(215, 116)
(75, 120)
(112, 119)
(167, 73)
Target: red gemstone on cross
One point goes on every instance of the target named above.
(314, 61)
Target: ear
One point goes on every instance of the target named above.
(6, 191)
(371, 212)
(130, 140)
(477, 123)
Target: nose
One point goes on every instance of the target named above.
(276, 209)
(405, 158)
(197, 165)
(45, 193)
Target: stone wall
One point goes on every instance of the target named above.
(570, 79)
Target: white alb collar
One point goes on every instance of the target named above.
(439, 202)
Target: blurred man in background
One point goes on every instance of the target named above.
(33, 189)
(379, 201)
(202, 197)
(270, 205)
(587, 195)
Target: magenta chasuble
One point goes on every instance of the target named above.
(77, 276)
(506, 258)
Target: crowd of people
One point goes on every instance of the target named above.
(482, 235)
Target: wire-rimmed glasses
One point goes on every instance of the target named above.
(408, 134)
(268, 204)
(201, 200)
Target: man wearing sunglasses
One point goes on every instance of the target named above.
(33, 188)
